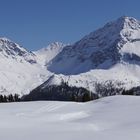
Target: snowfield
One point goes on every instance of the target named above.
(116, 117)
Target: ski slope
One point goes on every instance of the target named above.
(115, 117)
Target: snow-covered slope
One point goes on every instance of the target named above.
(19, 70)
(109, 118)
(22, 70)
(45, 55)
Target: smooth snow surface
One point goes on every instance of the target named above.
(111, 118)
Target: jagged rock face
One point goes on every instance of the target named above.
(100, 49)
(12, 50)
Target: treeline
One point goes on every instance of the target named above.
(9, 98)
(133, 91)
(62, 92)
(108, 88)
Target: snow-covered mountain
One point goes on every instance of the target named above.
(117, 41)
(19, 70)
(109, 53)
(11, 50)
(22, 70)
(46, 54)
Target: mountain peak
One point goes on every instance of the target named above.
(5, 39)
(129, 22)
(126, 18)
(101, 49)
(9, 44)
(52, 46)
(124, 28)
(55, 45)
(48, 53)
(10, 49)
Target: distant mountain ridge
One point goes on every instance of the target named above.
(111, 53)
(46, 54)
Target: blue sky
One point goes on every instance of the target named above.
(36, 23)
